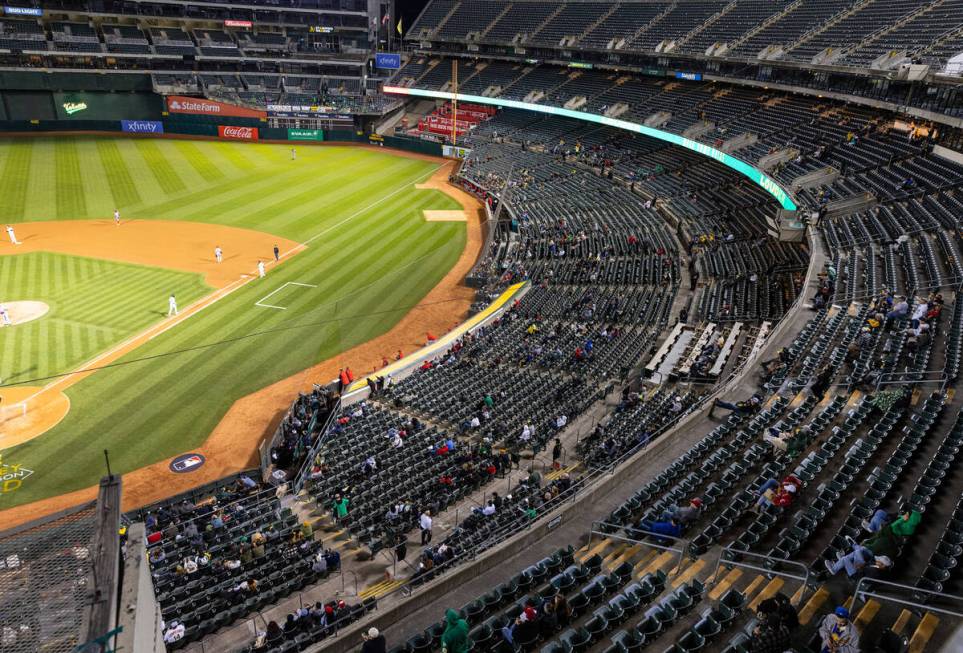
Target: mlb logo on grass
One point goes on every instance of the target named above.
(142, 126)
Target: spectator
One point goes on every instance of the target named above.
(751, 405)
(771, 634)
(454, 639)
(684, 515)
(340, 507)
(856, 560)
(374, 642)
(838, 634)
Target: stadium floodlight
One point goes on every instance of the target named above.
(754, 174)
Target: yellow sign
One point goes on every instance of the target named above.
(12, 476)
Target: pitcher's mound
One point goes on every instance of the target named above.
(25, 311)
(44, 410)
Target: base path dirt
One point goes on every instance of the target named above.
(232, 446)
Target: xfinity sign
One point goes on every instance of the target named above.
(142, 126)
(387, 61)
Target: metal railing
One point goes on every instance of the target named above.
(864, 589)
(728, 555)
(681, 548)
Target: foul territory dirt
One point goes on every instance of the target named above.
(232, 446)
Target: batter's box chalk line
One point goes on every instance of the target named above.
(262, 304)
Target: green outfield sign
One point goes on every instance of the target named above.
(305, 134)
(756, 175)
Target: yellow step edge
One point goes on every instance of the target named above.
(753, 586)
(900, 624)
(866, 614)
(813, 605)
(727, 582)
(797, 597)
(924, 631)
(689, 573)
(661, 561)
(646, 558)
(767, 592)
(616, 551)
(623, 556)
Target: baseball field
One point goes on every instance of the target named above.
(371, 245)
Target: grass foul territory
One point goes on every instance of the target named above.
(368, 257)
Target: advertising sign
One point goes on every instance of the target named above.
(388, 61)
(205, 107)
(237, 133)
(188, 462)
(238, 23)
(142, 126)
(455, 151)
(23, 11)
(305, 135)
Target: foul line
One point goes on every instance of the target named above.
(279, 289)
(198, 306)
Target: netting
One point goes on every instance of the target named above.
(44, 573)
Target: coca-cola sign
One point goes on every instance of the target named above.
(237, 133)
(205, 107)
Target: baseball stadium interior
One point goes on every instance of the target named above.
(704, 397)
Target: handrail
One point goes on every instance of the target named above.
(729, 551)
(859, 595)
(654, 545)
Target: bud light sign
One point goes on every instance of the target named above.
(237, 133)
(142, 126)
(388, 61)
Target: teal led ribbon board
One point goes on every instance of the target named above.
(757, 176)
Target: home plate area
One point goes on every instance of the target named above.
(274, 297)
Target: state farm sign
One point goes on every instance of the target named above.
(205, 107)
(239, 133)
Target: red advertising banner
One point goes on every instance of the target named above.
(238, 133)
(238, 23)
(205, 107)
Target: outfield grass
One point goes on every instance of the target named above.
(371, 256)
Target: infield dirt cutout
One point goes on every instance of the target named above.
(232, 445)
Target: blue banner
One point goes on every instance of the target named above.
(142, 126)
(692, 77)
(389, 61)
(23, 11)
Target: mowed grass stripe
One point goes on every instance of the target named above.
(161, 169)
(199, 160)
(122, 185)
(13, 179)
(71, 200)
(205, 203)
(41, 182)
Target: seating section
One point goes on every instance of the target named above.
(861, 30)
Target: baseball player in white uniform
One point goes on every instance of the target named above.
(171, 305)
(218, 254)
(5, 316)
(260, 269)
(13, 236)
(117, 217)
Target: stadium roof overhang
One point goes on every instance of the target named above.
(754, 174)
